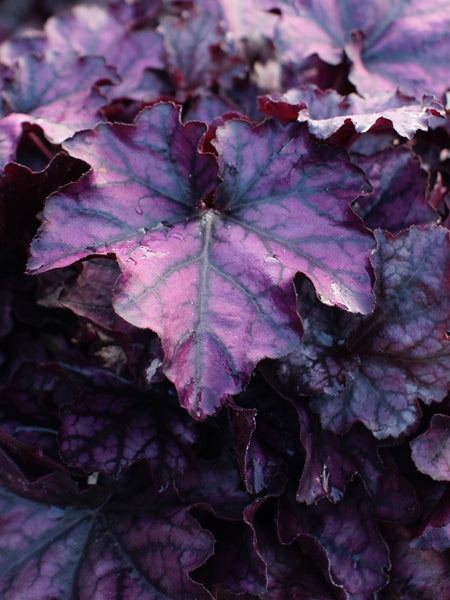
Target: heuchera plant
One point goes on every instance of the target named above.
(225, 301)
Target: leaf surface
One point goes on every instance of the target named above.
(215, 283)
(52, 552)
(58, 91)
(431, 450)
(391, 44)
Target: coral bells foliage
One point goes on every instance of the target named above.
(225, 301)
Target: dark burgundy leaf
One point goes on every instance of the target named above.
(266, 440)
(347, 531)
(332, 461)
(399, 190)
(216, 485)
(232, 313)
(435, 534)
(293, 573)
(329, 114)
(390, 45)
(196, 51)
(58, 91)
(431, 450)
(415, 573)
(108, 432)
(234, 566)
(52, 552)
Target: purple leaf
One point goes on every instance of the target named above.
(10, 132)
(408, 327)
(58, 91)
(193, 44)
(329, 114)
(239, 257)
(52, 552)
(109, 32)
(347, 531)
(415, 573)
(435, 534)
(431, 450)
(389, 45)
(378, 386)
(331, 461)
(108, 432)
(399, 190)
(291, 571)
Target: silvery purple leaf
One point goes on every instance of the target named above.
(408, 326)
(115, 551)
(348, 532)
(238, 257)
(431, 450)
(196, 52)
(58, 91)
(435, 532)
(415, 573)
(390, 45)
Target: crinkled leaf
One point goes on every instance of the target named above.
(331, 461)
(399, 190)
(402, 351)
(415, 573)
(265, 439)
(53, 552)
(347, 531)
(435, 534)
(58, 91)
(328, 113)
(431, 450)
(196, 51)
(102, 31)
(390, 45)
(292, 572)
(239, 256)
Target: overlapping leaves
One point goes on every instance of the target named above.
(213, 277)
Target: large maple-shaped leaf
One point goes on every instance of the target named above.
(123, 550)
(214, 282)
(397, 44)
